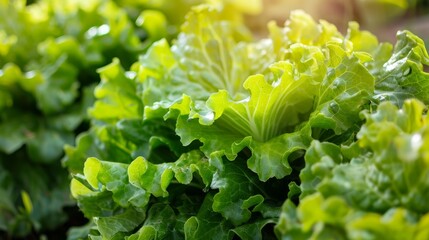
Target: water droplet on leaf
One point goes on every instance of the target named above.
(407, 72)
(333, 107)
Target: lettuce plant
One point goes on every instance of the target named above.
(49, 53)
(375, 188)
(220, 136)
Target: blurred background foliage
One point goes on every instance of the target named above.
(382, 17)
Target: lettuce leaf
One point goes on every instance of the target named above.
(403, 75)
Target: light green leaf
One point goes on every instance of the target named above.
(320, 159)
(144, 233)
(113, 177)
(217, 141)
(275, 103)
(191, 162)
(221, 62)
(272, 158)
(154, 22)
(343, 92)
(27, 202)
(154, 178)
(403, 75)
(116, 95)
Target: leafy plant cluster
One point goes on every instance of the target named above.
(49, 55)
(201, 131)
(307, 134)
